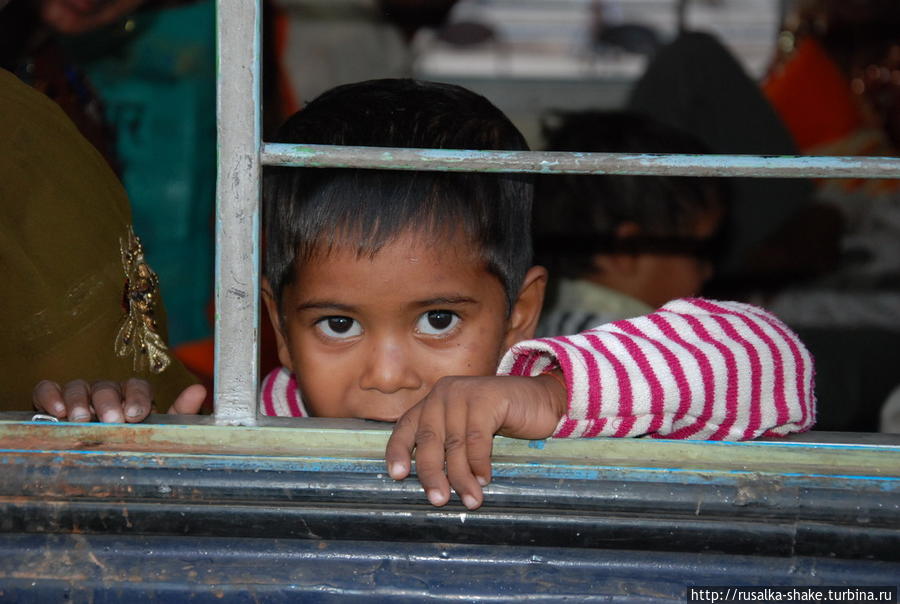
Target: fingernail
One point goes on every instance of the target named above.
(133, 410)
(80, 416)
(111, 417)
(436, 498)
(397, 470)
(470, 502)
(58, 409)
(482, 480)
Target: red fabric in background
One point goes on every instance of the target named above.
(813, 97)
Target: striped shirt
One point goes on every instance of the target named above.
(694, 369)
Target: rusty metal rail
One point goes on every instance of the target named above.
(545, 162)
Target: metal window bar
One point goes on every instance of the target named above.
(242, 155)
(556, 162)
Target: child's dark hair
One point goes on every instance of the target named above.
(576, 216)
(310, 210)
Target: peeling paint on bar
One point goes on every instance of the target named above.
(452, 160)
(354, 445)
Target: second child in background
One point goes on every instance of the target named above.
(621, 246)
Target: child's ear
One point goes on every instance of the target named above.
(284, 352)
(526, 312)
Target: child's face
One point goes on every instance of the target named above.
(368, 337)
(668, 277)
(656, 278)
(665, 277)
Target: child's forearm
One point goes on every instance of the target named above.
(693, 369)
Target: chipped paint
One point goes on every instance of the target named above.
(554, 162)
(358, 446)
(238, 26)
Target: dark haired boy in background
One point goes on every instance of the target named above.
(620, 246)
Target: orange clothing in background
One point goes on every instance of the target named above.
(813, 97)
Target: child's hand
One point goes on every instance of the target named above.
(455, 424)
(130, 401)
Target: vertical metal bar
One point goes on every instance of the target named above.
(237, 211)
(681, 15)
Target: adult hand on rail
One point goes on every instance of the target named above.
(452, 430)
(130, 401)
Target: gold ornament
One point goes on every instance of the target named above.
(139, 335)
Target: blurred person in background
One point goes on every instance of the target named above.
(621, 246)
(138, 78)
(823, 255)
(79, 303)
(835, 82)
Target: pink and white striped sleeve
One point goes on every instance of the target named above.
(279, 395)
(695, 368)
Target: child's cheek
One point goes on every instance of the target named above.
(478, 358)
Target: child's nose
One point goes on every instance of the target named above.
(389, 368)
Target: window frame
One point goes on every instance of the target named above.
(241, 156)
(141, 509)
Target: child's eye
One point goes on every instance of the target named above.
(339, 327)
(437, 322)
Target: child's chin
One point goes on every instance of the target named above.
(369, 411)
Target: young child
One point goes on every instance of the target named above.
(394, 295)
(619, 246)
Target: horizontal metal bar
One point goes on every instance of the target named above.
(453, 160)
(359, 440)
(622, 493)
(138, 568)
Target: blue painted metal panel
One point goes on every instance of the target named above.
(105, 568)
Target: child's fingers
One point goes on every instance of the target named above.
(77, 396)
(430, 455)
(480, 442)
(106, 399)
(47, 397)
(189, 401)
(460, 432)
(138, 399)
(398, 453)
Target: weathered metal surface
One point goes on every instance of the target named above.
(63, 481)
(81, 568)
(305, 507)
(362, 440)
(450, 160)
(328, 499)
(237, 211)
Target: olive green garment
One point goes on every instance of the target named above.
(61, 274)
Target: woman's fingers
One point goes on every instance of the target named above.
(47, 397)
(77, 398)
(106, 400)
